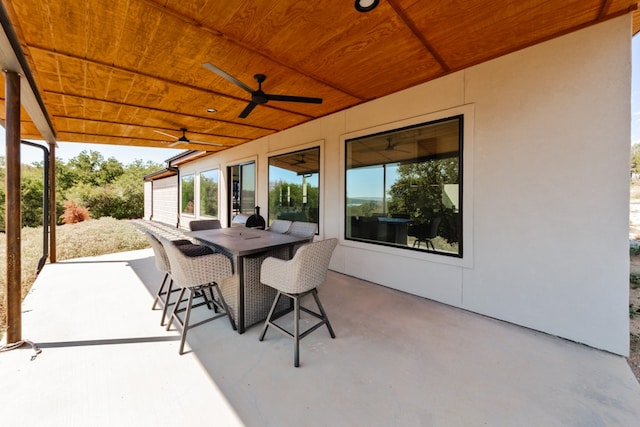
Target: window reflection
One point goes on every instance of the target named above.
(187, 192)
(209, 193)
(242, 188)
(294, 186)
(404, 187)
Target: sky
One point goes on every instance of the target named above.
(635, 90)
(127, 154)
(68, 150)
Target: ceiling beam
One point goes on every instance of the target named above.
(137, 125)
(161, 79)
(159, 110)
(190, 21)
(418, 34)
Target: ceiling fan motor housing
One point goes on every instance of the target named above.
(258, 96)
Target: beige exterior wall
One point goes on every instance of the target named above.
(148, 199)
(546, 161)
(165, 200)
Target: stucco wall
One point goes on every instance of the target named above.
(546, 160)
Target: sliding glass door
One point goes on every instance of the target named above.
(242, 189)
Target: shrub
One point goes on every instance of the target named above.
(74, 213)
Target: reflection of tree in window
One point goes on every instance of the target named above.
(420, 191)
(187, 190)
(293, 186)
(209, 193)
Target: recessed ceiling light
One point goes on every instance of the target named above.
(366, 5)
(211, 110)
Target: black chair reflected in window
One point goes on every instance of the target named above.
(425, 232)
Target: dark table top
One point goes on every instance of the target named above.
(241, 241)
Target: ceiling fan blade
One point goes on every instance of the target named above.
(224, 74)
(248, 109)
(165, 134)
(289, 98)
(214, 144)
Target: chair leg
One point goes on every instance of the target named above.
(297, 308)
(167, 302)
(196, 292)
(213, 298)
(176, 306)
(185, 325)
(269, 316)
(324, 314)
(296, 331)
(160, 291)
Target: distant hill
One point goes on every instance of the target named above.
(357, 201)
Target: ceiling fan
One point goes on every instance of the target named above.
(184, 140)
(392, 147)
(258, 97)
(300, 161)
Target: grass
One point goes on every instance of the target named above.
(88, 238)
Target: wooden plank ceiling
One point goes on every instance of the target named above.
(116, 72)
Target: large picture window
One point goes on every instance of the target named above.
(293, 186)
(187, 194)
(209, 193)
(404, 187)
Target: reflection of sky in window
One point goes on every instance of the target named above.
(362, 182)
(277, 174)
(369, 181)
(211, 175)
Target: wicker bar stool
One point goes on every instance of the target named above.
(296, 278)
(204, 224)
(302, 229)
(162, 264)
(197, 271)
(280, 226)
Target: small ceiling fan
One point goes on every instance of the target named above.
(258, 97)
(300, 161)
(392, 147)
(184, 140)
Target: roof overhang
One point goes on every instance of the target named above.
(131, 73)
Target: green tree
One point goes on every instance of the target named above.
(121, 198)
(91, 168)
(635, 158)
(418, 189)
(32, 193)
(285, 201)
(104, 186)
(418, 192)
(208, 196)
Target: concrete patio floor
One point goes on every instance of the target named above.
(397, 360)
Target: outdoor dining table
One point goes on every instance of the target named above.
(248, 299)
